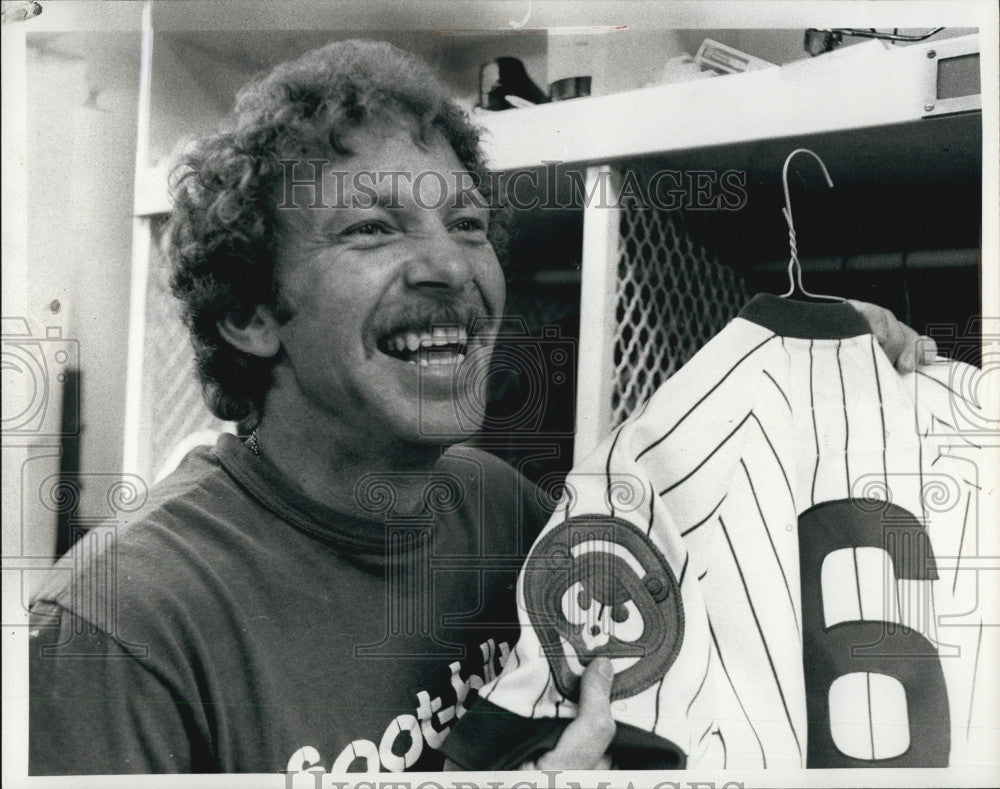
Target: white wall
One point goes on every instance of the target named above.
(81, 132)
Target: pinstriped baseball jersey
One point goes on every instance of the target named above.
(770, 553)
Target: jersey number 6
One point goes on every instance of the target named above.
(875, 690)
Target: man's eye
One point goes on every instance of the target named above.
(470, 225)
(366, 229)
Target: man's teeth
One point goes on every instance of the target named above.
(441, 358)
(412, 342)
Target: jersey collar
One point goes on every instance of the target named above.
(806, 320)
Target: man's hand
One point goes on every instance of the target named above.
(898, 340)
(584, 744)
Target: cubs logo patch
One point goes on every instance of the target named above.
(595, 587)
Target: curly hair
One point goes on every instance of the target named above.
(222, 233)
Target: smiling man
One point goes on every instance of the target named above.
(372, 332)
(274, 606)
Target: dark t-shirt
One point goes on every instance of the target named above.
(236, 626)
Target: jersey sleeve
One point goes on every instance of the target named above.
(95, 709)
(957, 416)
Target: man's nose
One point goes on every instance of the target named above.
(440, 262)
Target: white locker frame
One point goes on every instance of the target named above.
(866, 85)
(601, 222)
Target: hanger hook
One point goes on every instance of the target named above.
(794, 267)
(784, 180)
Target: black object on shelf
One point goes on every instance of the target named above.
(819, 41)
(570, 88)
(504, 77)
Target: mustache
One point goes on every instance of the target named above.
(424, 313)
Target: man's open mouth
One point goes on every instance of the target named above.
(438, 345)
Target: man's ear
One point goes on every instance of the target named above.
(258, 336)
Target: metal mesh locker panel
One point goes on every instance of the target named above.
(672, 297)
(172, 404)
